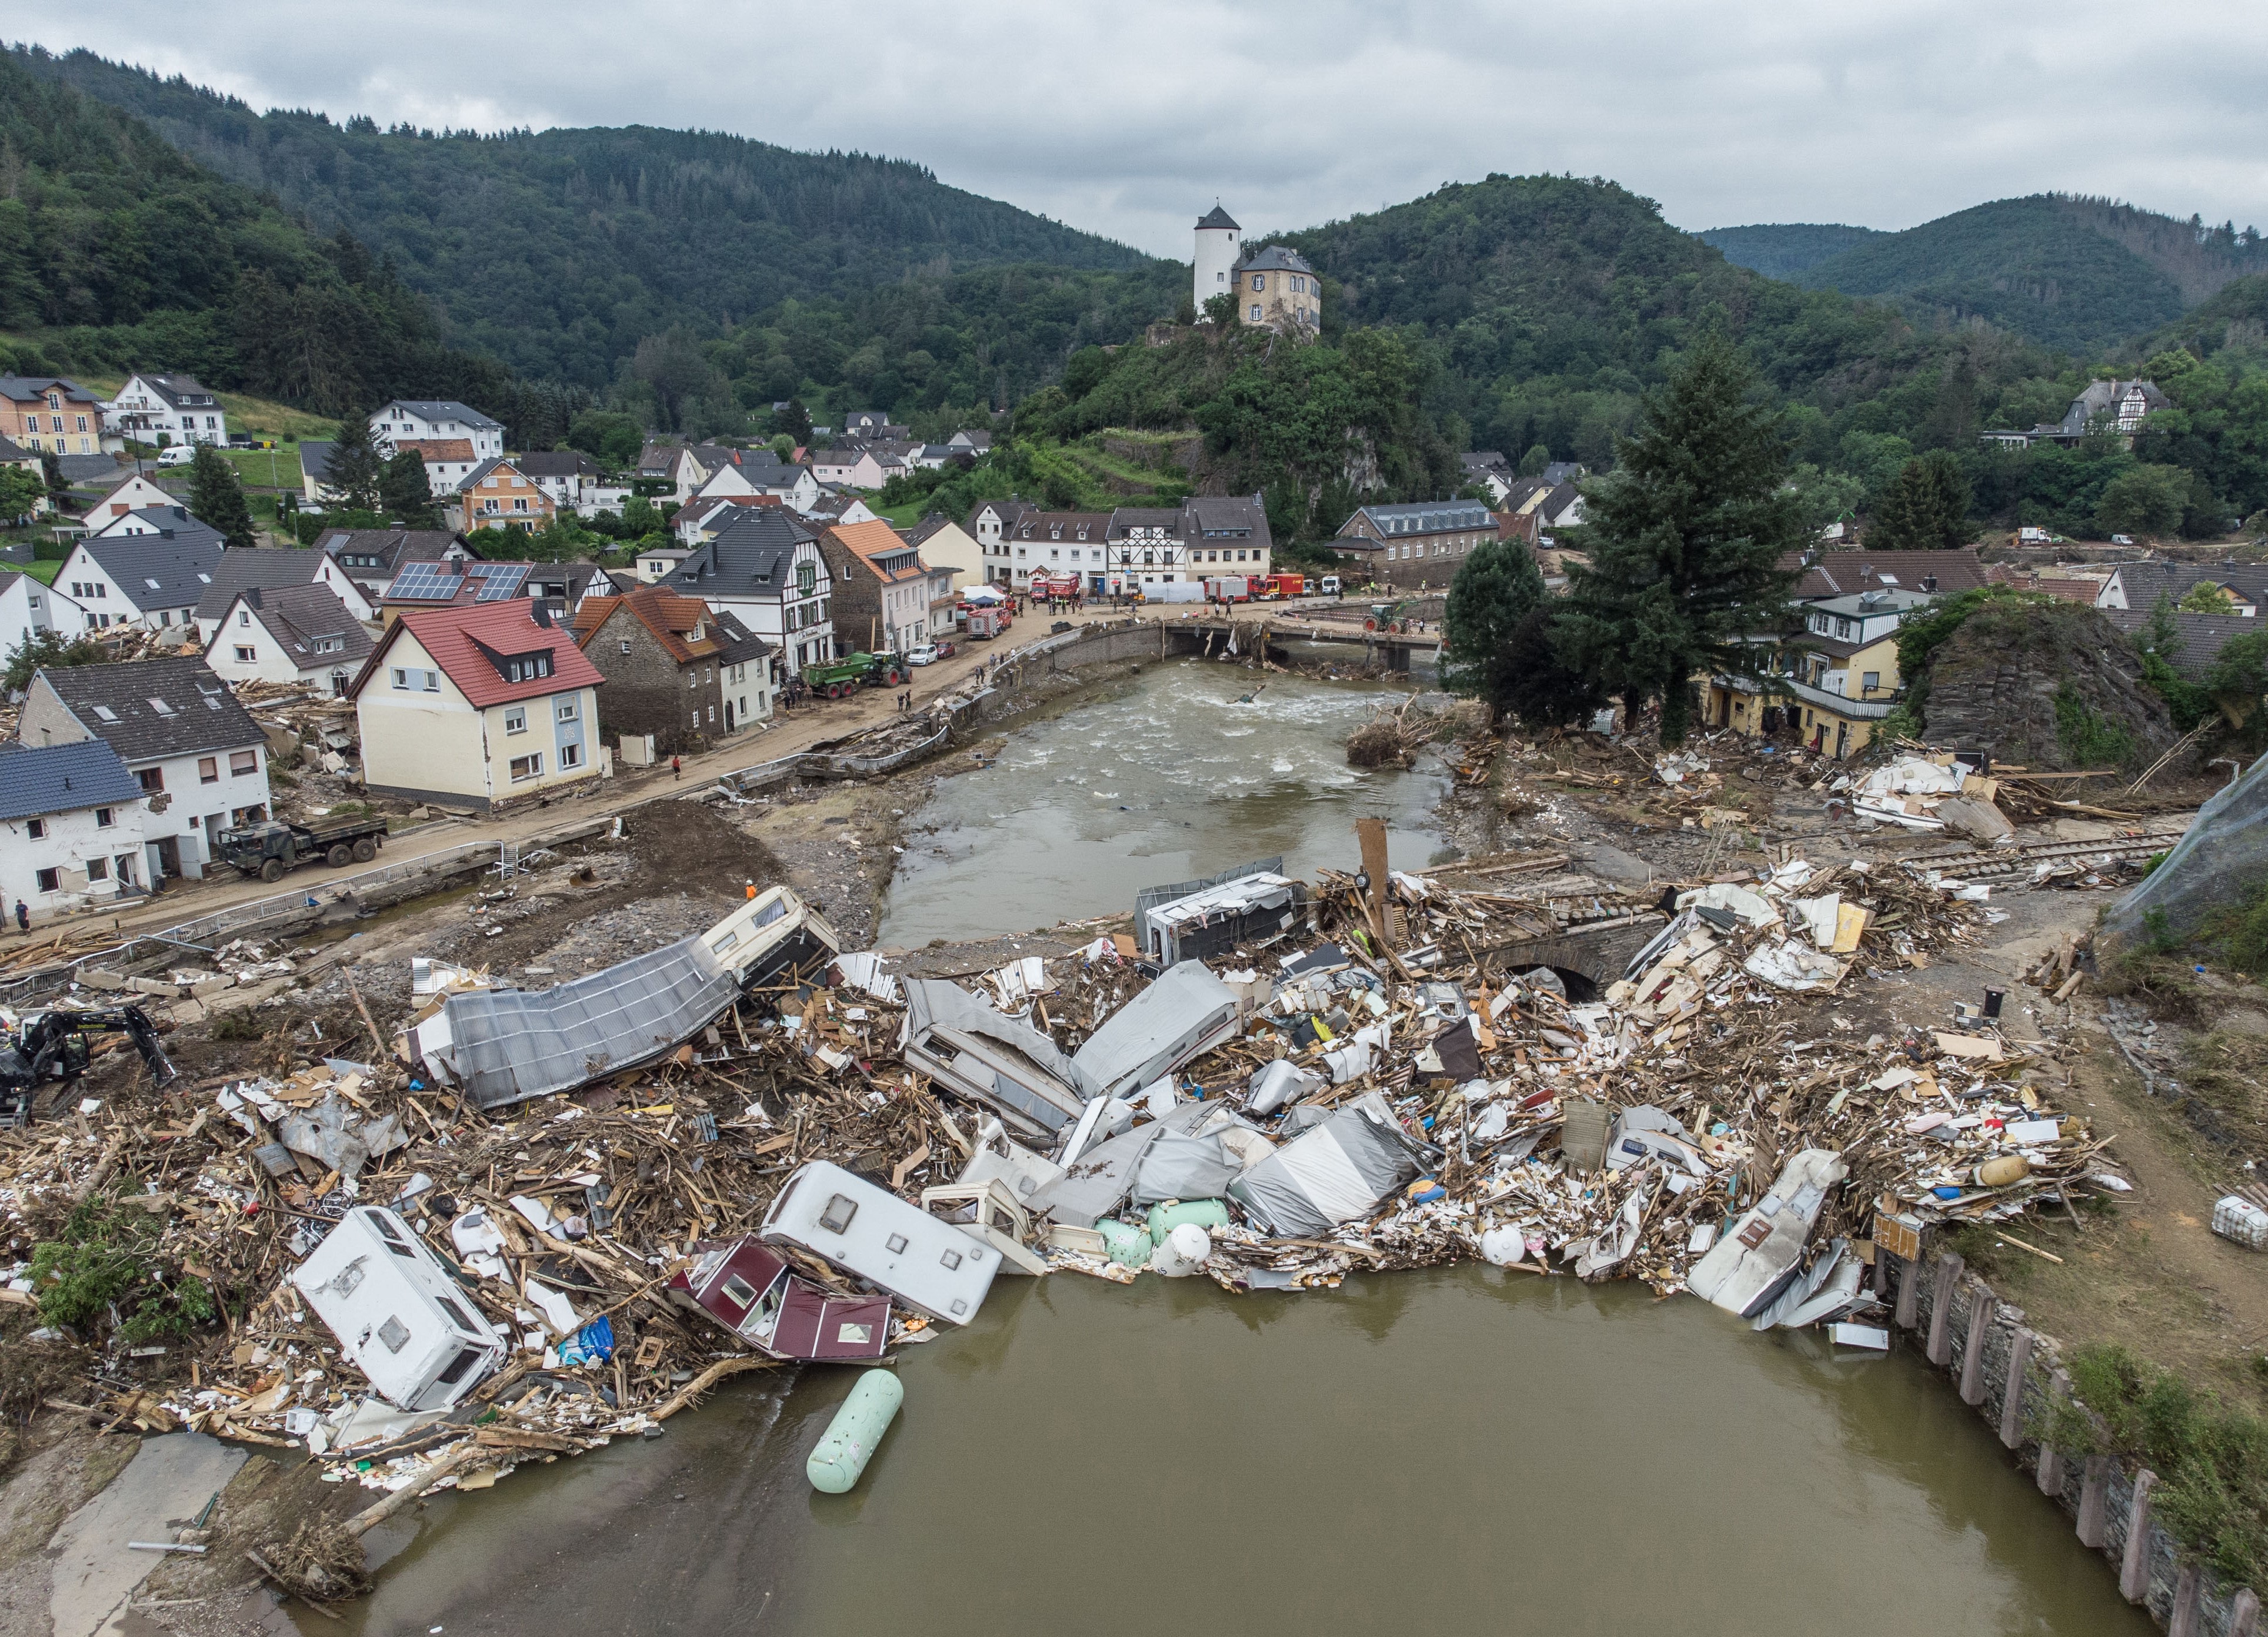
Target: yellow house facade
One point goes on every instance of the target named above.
(1828, 686)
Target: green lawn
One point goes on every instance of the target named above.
(267, 468)
(899, 516)
(44, 572)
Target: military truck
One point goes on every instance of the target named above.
(274, 846)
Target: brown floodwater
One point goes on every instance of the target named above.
(1461, 1449)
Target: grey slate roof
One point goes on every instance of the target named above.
(11, 451)
(1275, 259)
(1231, 517)
(22, 387)
(315, 457)
(295, 616)
(81, 471)
(392, 547)
(178, 390)
(443, 409)
(1425, 517)
(2203, 636)
(751, 556)
(1217, 218)
(263, 566)
(557, 463)
(201, 715)
(36, 781)
(739, 644)
(2144, 583)
(180, 564)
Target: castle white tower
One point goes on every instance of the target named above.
(1218, 246)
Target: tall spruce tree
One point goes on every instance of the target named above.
(1926, 508)
(1495, 588)
(355, 465)
(404, 494)
(216, 497)
(1685, 539)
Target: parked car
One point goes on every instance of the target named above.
(2122, 540)
(944, 650)
(925, 654)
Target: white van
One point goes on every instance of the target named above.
(177, 454)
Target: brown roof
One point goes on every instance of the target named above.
(672, 619)
(870, 540)
(430, 449)
(1841, 573)
(2081, 591)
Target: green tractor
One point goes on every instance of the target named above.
(848, 673)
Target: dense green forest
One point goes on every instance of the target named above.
(124, 254)
(1784, 249)
(558, 251)
(2067, 272)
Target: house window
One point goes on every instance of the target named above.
(571, 755)
(568, 709)
(526, 767)
(150, 778)
(1259, 283)
(626, 641)
(105, 817)
(1871, 680)
(1256, 311)
(208, 771)
(98, 869)
(244, 655)
(51, 881)
(243, 618)
(515, 720)
(35, 828)
(243, 762)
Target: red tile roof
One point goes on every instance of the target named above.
(670, 618)
(456, 638)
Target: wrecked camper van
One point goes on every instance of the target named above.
(400, 1317)
(928, 1264)
(1185, 1014)
(748, 1287)
(503, 1046)
(991, 1060)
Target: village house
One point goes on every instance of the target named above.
(316, 471)
(568, 475)
(657, 563)
(850, 466)
(359, 563)
(1490, 470)
(1079, 541)
(564, 587)
(990, 523)
(759, 474)
(1531, 507)
(287, 634)
(477, 705)
(153, 575)
(766, 570)
(131, 492)
(262, 568)
(873, 426)
(663, 657)
(970, 442)
(164, 408)
(429, 420)
(47, 413)
(750, 674)
(682, 468)
(945, 544)
(1414, 547)
(2138, 586)
(73, 819)
(2112, 407)
(449, 461)
(194, 752)
(882, 588)
(500, 494)
(1142, 546)
(1226, 534)
(1276, 289)
(28, 606)
(837, 506)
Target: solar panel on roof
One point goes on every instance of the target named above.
(423, 582)
(500, 580)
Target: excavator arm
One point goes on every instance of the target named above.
(54, 1046)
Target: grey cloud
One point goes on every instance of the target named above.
(1130, 121)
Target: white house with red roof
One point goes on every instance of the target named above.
(477, 705)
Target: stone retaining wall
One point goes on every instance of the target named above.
(1984, 1343)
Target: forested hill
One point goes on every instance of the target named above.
(1784, 249)
(134, 254)
(557, 251)
(2067, 272)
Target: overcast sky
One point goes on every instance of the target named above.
(1128, 119)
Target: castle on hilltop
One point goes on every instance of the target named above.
(1275, 288)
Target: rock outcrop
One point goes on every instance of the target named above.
(2047, 686)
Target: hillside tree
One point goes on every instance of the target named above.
(20, 493)
(404, 494)
(2143, 499)
(355, 464)
(1495, 588)
(216, 497)
(1686, 537)
(1926, 508)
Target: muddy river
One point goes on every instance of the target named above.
(1461, 1449)
(1162, 777)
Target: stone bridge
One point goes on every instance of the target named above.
(1394, 650)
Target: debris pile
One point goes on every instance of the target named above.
(438, 1270)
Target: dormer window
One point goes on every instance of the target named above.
(526, 668)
